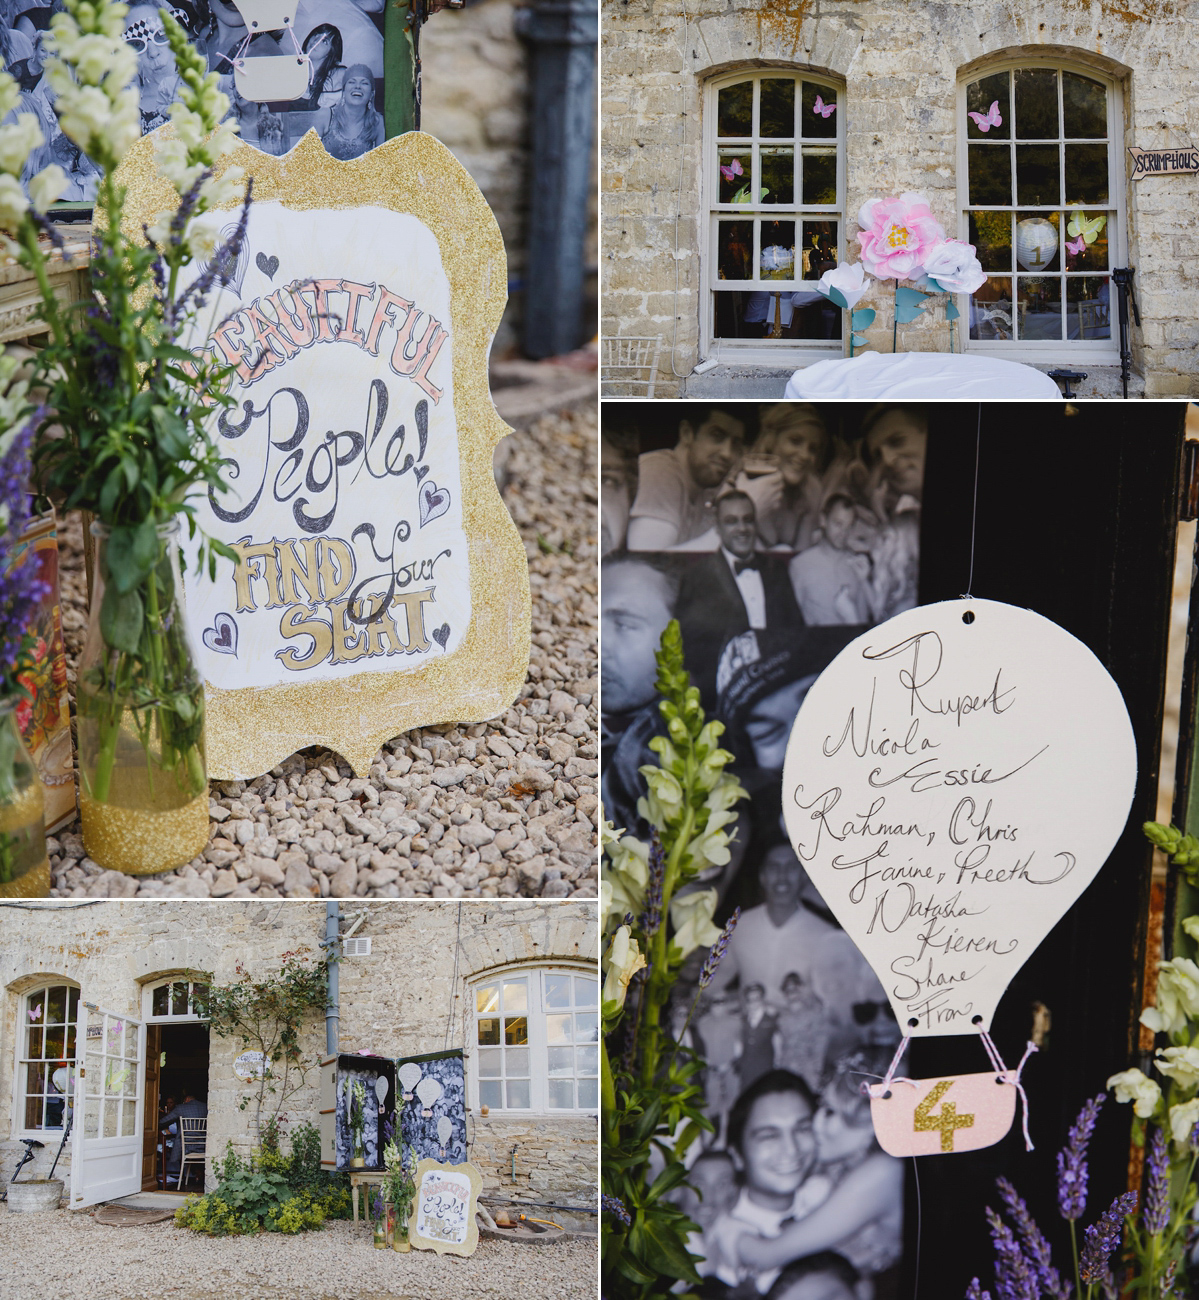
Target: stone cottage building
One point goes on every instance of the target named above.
(741, 137)
(415, 979)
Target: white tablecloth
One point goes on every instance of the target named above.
(920, 375)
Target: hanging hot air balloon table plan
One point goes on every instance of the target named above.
(954, 780)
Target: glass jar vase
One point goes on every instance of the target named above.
(24, 865)
(400, 1237)
(143, 785)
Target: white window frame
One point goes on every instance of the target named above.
(773, 352)
(538, 1045)
(188, 1018)
(18, 1128)
(1047, 351)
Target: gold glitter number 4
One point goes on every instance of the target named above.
(944, 1123)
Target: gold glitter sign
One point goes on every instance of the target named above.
(381, 584)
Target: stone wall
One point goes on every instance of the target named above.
(900, 62)
(407, 998)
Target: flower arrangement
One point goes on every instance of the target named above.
(357, 1116)
(653, 920)
(399, 1179)
(134, 403)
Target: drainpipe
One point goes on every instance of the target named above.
(563, 35)
(333, 1006)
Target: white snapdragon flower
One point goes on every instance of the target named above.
(218, 190)
(691, 916)
(13, 203)
(47, 186)
(125, 125)
(1177, 997)
(83, 113)
(159, 229)
(623, 961)
(92, 58)
(171, 157)
(1183, 1119)
(201, 241)
(1180, 1064)
(17, 141)
(1134, 1086)
(10, 94)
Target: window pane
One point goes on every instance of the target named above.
(128, 1118)
(490, 1062)
(1083, 256)
(991, 235)
(199, 1003)
(734, 109)
(1085, 107)
(518, 1094)
(991, 309)
(1088, 307)
(778, 174)
(818, 123)
(33, 1048)
(776, 111)
(1036, 104)
(557, 1029)
(55, 1042)
(1038, 241)
(561, 1061)
(516, 1030)
(587, 1028)
(819, 176)
(562, 1094)
(587, 1059)
(585, 992)
(109, 1124)
(819, 249)
(588, 1094)
(33, 1099)
(70, 1052)
(557, 990)
(37, 1007)
(516, 1061)
(980, 95)
(179, 999)
(516, 995)
(735, 250)
(160, 1001)
(1086, 173)
(56, 1005)
(735, 170)
(747, 315)
(777, 258)
(990, 174)
(488, 998)
(1039, 307)
(490, 1094)
(91, 1119)
(1037, 179)
(489, 1032)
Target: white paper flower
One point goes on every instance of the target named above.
(47, 186)
(623, 961)
(954, 267)
(845, 284)
(1180, 1064)
(1132, 1085)
(691, 916)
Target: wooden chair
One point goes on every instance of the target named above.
(1094, 317)
(193, 1133)
(631, 364)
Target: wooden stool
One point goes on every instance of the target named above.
(363, 1178)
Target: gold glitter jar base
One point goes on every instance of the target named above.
(33, 884)
(143, 843)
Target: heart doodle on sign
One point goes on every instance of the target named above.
(267, 265)
(442, 634)
(221, 638)
(421, 471)
(434, 501)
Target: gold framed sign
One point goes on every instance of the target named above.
(443, 1218)
(1163, 162)
(382, 583)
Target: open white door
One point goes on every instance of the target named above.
(106, 1140)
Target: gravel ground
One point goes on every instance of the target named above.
(71, 1257)
(501, 809)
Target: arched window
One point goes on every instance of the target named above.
(1041, 199)
(178, 998)
(774, 181)
(535, 1040)
(46, 1060)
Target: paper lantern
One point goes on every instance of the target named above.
(1036, 243)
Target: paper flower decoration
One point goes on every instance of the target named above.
(844, 285)
(953, 267)
(897, 234)
(733, 169)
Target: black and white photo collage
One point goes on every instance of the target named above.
(336, 44)
(775, 534)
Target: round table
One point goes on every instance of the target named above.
(874, 375)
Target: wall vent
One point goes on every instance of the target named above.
(356, 947)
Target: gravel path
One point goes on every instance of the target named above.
(500, 809)
(71, 1257)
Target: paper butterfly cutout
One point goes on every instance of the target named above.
(1076, 246)
(985, 121)
(1086, 230)
(822, 109)
(733, 169)
(35, 1013)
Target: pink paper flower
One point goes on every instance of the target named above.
(896, 234)
(953, 265)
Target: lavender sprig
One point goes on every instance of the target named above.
(718, 949)
(21, 590)
(1014, 1279)
(611, 1205)
(1040, 1257)
(1072, 1161)
(1156, 1212)
(1103, 1237)
(975, 1292)
(651, 918)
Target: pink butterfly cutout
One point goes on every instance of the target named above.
(1076, 246)
(822, 109)
(35, 1013)
(985, 121)
(734, 169)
